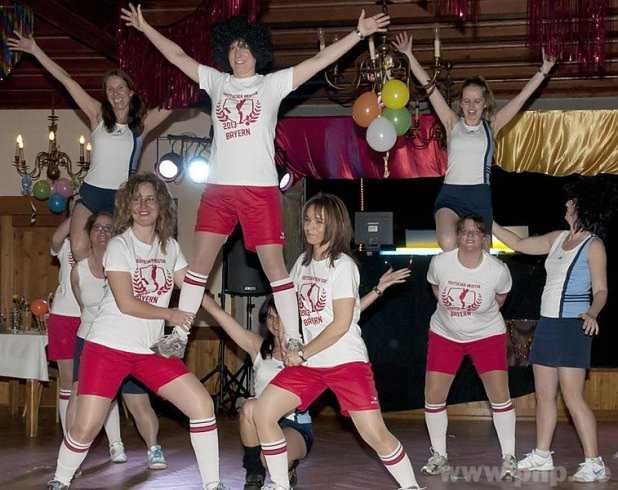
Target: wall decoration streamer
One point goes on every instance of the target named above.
(570, 30)
(13, 17)
(157, 80)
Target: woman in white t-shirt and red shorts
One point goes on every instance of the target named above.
(334, 355)
(470, 286)
(142, 263)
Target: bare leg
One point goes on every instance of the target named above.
(446, 228)
(546, 392)
(65, 379)
(145, 417)
(80, 243)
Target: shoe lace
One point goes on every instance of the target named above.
(156, 453)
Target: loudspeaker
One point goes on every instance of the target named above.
(242, 272)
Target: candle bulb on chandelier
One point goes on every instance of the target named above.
(82, 142)
(52, 136)
(436, 41)
(19, 145)
(88, 150)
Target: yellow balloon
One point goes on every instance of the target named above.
(395, 94)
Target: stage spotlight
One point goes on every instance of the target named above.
(286, 179)
(198, 170)
(169, 167)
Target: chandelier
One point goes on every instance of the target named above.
(50, 163)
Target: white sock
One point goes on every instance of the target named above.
(192, 291)
(112, 424)
(436, 419)
(504, 422)
(284, 294)
(70, 457)
(399, 466)
(276, 456)
(63, 402)
(205, 442)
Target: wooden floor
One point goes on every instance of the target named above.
(337, 461)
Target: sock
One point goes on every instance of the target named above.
(544, 454)
(504, 422)
(436, 419)
(251, 460)
(398, 465)
(192, 291)
(63, 402)
(205, 442)
(276, 456)
(70, 458)
(112, 424)
(284, 294)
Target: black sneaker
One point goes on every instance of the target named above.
(254, 481)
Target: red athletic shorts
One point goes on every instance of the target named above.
(257, 208)
(445, 356)
(61, 335)
(102, 370)
(352, 383)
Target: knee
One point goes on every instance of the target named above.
(82, 432)
(380, 439)
(246, 412)
(546, 397)
(573, 400)
(447, 240)
(434, 396)
(263, 416)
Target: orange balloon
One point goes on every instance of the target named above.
(365, 109)
(39, 307)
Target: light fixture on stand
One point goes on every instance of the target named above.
(188, 154)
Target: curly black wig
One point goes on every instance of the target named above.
(257, 37)
(595, 199)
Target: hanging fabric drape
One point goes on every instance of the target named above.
(159, 82)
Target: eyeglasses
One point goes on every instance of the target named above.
(147, 201)
(103, 228)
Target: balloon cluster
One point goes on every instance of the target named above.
(383, 126)
(57, 193)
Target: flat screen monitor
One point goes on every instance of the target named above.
(373, 229)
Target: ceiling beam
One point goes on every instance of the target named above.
(75, 26)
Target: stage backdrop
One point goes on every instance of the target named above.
(555, 142)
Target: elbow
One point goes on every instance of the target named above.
(124, 307)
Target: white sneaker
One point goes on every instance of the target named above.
(116, 453)
(536, 462)
(156, 459)
(436, 464)
(509, 467)
(591, 470)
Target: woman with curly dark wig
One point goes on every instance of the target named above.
(560, 354)
(142, 263)
(119, 125)
(243, 184)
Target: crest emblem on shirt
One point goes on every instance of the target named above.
(311, 299)
(235, 112)
(150, 282)
(461, 301)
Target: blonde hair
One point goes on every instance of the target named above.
(488, 95)
(166, 221)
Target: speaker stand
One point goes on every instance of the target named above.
(231, 386)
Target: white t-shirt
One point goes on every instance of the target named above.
(244, 115)
(152, 277)
(467, 309)
(64, 302)
(318, 285)
(91, 293)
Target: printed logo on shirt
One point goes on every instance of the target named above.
(461, 299)
(311, 301)
(237, 113)
(151, 280)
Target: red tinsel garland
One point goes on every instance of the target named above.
(462, 9)
(159, 82)
(570, 30)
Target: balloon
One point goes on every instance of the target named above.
(365, 109)
(381, 134)
(57, 203)
(63, 187)
(401, 119)
(39, 307)
(395, 94)
(41, 189)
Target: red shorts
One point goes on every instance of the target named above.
(445, 356)
(257, 208)
(61, 335)
(102, 370)
(352, 383)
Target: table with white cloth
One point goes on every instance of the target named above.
(22, 355)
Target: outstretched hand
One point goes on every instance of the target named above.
(376, 23)
(403, 43)
(133, 17)
(21, 43)
(548, 62)
(391, 277)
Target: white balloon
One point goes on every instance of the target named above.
(381, 134)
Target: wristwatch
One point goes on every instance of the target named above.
(301, 354)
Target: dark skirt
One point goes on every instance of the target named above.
(561, 342)
(466, 200)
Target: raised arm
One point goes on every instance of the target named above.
(448, 117)
(535, 245)
(510, 110)
(169, 49)
(327, 56)
(245, 339)
(387, 279)
(88, 104)
(60, 234)
(597, 261)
